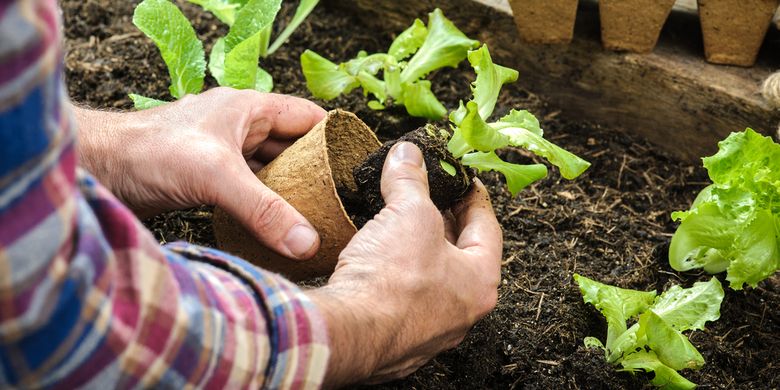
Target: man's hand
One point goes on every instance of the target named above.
(411, 283)
(203, 149)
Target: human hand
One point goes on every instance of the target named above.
(410, 284)
(203, 149)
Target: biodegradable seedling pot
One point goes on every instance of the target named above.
(734, 30)
(308, 175)
(632, 25)
(545, 21)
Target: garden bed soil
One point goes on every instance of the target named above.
(611, 224)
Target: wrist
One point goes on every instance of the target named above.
(360, 335)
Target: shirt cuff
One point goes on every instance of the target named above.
(297, 331)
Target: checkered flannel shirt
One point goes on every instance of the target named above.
(87, 296)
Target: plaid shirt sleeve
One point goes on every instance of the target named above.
(87, 296)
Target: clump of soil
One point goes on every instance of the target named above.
(611, 224)
(445, 189)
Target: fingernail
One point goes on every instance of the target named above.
(300, 239)
(406, 152)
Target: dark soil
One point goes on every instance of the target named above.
(611, 224)
(446, 189)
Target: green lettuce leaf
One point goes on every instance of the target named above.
(241, 69)
(665, 377)
(305, 7)
(654, 343)
(476, 133)
(522, 119)
(757, 246)
(325, 79)
(143, 102)
(420, 101)
(517, 176)
(616, 304)
(264, 82)
(570, 164)
(444, 46)
(672, 347)
(490, 78)
(732, 224)
(372, 85)
(251, 19)
(217, 61)
(224, 10)
(407, 43)
(690, 308)
(181, 50)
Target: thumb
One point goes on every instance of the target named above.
(268, 216)
(404, 176)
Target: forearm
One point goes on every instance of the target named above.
(362, 335)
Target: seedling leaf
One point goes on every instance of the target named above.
(447, 167)
(420, 101)
(570, 165)
(241, 64)
(251, 19)
(305, 7)
(181, 50)
(143, 102)
(444, 46)
(517, 176)
(325, 79)
(408, 41)
(490, 78)
(665, 377)
(690, 308)
(224, 10)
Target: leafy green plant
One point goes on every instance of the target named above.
(415, 53)
(654, 343)
(734, 223)
(233, 61)
(474, 141)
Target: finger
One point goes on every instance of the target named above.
(404, 176)
(269, 217)
(283, 116)
(479, 229)
(270, 149)
(450, 227)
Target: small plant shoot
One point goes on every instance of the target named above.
(233, 61)
(733, 224)
(474, 141)
(654, 342)
(414, 54)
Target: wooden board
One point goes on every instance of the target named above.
(672, 97)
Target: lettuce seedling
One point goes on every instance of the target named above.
(233, 61)
(654, 342)
(474, 141)
(733, 224)
(414, 54)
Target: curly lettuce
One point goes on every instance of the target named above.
(415, 53)
(654, 342)
(733, 224)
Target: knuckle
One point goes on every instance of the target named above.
(268, 212)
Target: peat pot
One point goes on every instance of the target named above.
(734, 30)
(307, 176)
(632, 25)
(545, 21)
